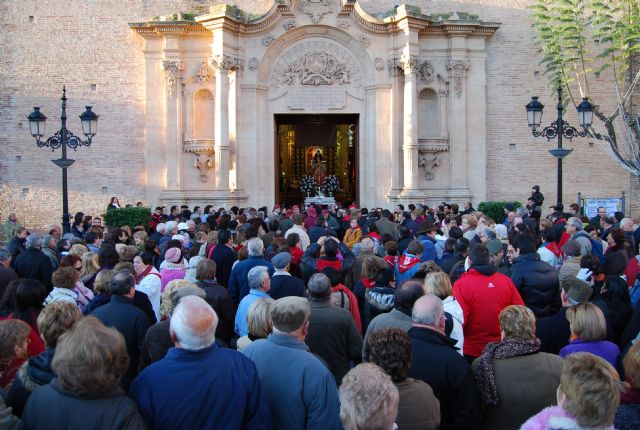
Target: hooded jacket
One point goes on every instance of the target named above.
(408, 265)
(537, 283)
(483, 293)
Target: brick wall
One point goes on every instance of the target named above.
(89, 47)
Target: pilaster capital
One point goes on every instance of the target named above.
(225, 62)
(172, 71)
(458, 72)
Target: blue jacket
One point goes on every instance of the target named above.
(239, 282)
(213, 388)
(302, 394)
(241, 326)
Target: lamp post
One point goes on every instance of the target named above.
(559, 128)
(61, 139)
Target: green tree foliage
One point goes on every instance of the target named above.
(495, 209)
(127, 216)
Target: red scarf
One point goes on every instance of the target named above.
(406, 262)
(322, 263)
(553, 247)
(630, 395)
(391, 259)
(368, 283)
(296, 255)
(144, 273)
(211, 252)
(374, 235)
(353, 304)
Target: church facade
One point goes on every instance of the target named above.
(236, 104)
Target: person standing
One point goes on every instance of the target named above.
(33, 263)
(185, 391)
(302, 394)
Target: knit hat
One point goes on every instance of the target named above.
(576, 290)
(571, 248)
(289, 313)
(185, 291)
(280, 260)
(494, 246)
(172, 255)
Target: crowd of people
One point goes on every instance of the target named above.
(323, 318)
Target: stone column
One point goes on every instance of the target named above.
(458, 68)
(410, 127)
(397, 120)
(173, 70)
(222, 64)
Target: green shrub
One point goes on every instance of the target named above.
(495, 210)
(127, 216)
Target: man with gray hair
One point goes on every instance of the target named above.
(33, 263)
(626, 225)
(575, 230)
(199, 385)
(366, 250)
(333, 334)
(303, 393)
(122, 314)
(259, 282)
(49, 249)
(7, 274)
(238, 281)
(436, 362)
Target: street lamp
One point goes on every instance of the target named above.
(61, 139)
(559, 128)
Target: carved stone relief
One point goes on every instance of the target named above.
(268, 40)
(316, 63)
(172, 70)
(225, 62)
(457, 72)
(409, 64)
(429, 161)
(253, 64)
(202, 74)
(289, 25)
(426, 71)
(343, 25)
(379, 64)
(364, 41)
(203, 163)
(316, 9)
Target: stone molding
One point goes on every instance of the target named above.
(172, 70)
(316, 9)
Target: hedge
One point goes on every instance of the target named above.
(495, 210)
(127, 216)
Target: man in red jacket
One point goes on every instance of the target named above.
(482, 293)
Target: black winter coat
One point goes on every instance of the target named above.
(224, 258)
(436, 362)
(554, 332)
(537, 283)
(34, 264)
(285, 286)
(123, 315)
(50, 407)
(219, 299)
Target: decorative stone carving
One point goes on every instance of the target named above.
(429, 161)
(225, 62)
(268, 40)
(426, 71)
(253, 64)
(202, 73)
(379, 64)
(344, 25)
(409, 64)
(316, 63)
(172, 70)
(203, 163)
(457, 72)
(444, 86)
(289, 25)
(316, 9)
(365, 42)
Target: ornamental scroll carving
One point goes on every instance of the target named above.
(316, 64)
(426, 71)
(202, 73)
(203, 163)
(458, 72)
(172, 70)
(316, 9)
(409, 64)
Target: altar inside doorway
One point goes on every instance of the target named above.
(317, 158)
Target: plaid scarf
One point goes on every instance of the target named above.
(508, 348)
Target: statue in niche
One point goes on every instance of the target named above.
(318, 170)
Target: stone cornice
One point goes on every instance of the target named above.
(233, 19)
(157, 29)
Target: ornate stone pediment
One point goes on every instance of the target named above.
(316, 63)
(316, 9)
